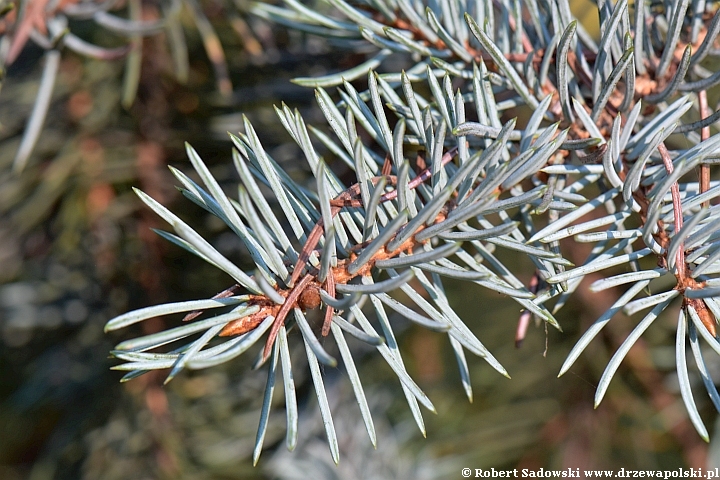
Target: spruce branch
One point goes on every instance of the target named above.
(444, 178)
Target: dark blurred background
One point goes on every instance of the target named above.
(76, 249)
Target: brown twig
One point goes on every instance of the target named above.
(704, 135)
(677, 208)
(349, 198)
(228, 292)
(305, 293)
(290, 302)
(685, 281)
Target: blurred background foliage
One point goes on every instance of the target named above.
(76, 249)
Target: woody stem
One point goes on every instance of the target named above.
(677, 209)
(704, 135)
